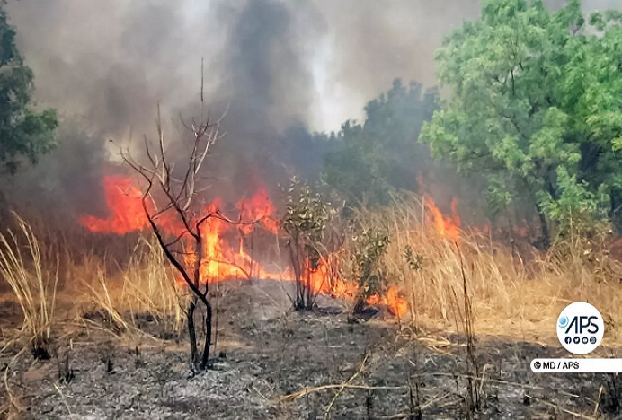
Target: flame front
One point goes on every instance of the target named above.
(219, 260)
(125, 204)
(258, 208)
(447, 227)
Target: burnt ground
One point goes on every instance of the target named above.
(373, 369)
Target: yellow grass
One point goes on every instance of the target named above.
(147, 285)
(516, 297)
(519, 297)
(34, 288)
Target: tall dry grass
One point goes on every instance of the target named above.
(33, 285)
(514, 295)
(145, 289)
(511, 295)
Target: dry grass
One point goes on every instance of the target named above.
(33, 286)
(510, 296)
(145, 287)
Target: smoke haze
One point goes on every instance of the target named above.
(112, 61)
(285, 68)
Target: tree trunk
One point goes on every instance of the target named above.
(512, 243)
(308, 303)
(545, 238)
(208, 335)
(360, 305)
(194, 356)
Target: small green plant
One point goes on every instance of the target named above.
(581, 223)
(305, 222)
(414, 260)
(371, 245)
(577, 212)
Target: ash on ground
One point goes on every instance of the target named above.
(272, 363)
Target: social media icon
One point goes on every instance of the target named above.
(576, 340)
(592, 340)
(568, 340)
(584, 340)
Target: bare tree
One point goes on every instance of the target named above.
(170, 198)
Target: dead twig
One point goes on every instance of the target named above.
(303, 392)
(12, 398)
(349, 382)
(572, 413)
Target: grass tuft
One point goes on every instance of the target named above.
(33, 287)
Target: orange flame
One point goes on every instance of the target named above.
(124, 201)
(396, 304)
(447, 227)
(219, 260)
(258, 208)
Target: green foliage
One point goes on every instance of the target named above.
(498, 197)
(414, 260)
(534, 95)
(370, 246)
(24, 134)
(305, 222)
(382, 154)
(307, 214)
(577, 209)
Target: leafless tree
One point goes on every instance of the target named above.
(169, 197)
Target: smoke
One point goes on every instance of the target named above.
(266, 80)
(286, 68)
(112, 61)
(592, 5)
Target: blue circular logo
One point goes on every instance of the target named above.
(563, 322)
(580, 328)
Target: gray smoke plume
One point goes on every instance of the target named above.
(111, 62)
(285, 67)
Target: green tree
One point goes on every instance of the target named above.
(381, 155)
(534, 94)
(24, 133)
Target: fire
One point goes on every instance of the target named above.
(259, 208)
(397, 305)
(318, 281)
(124, 201)
(220, 261)
(447, 227)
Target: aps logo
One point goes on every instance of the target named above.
(580, 328)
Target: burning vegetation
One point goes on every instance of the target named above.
(413, 266)
(224, 258)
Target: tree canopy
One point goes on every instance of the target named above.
(381, 155)
(535, 101)
(24, 133)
